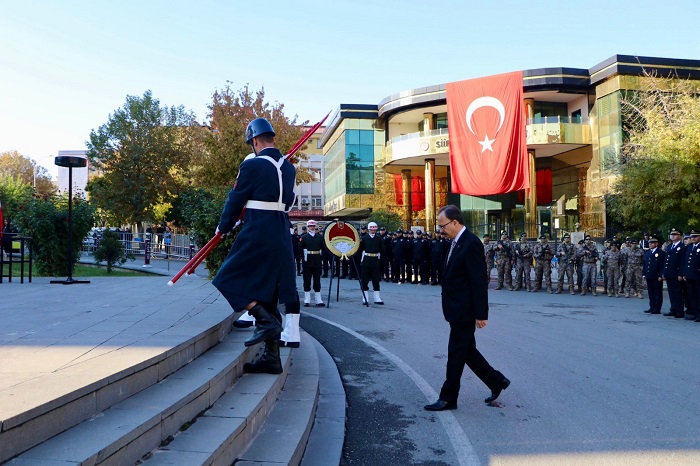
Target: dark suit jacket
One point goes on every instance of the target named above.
(654, 264)
(464, 284)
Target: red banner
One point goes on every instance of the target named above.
(417, 192)
(488, 150)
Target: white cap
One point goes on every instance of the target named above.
(372, 226)
(310, 223)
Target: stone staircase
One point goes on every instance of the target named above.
(186, 404)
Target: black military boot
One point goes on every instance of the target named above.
(269, 362)
(266, 326)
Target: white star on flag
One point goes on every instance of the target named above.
(486, 144)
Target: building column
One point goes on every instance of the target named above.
(429, 195)
(428, 121)
(531, 199)
(531, 193)
(407, 201)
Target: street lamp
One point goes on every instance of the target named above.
(70, 162)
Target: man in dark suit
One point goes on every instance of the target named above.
(673, 266)
(465, 306)
(654, 260)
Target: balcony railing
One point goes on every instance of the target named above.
(558, 119)
(420, 134)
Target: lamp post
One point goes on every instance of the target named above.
(70, 162)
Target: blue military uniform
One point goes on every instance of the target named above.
(691, 275)
(673, 266)
(261, 261)
(653, 271)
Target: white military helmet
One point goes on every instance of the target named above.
(311, 223)
(372, 226)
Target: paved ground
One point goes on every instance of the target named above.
(594, 380)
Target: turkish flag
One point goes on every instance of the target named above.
(488, 150)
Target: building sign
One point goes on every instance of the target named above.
(296, 213)
(342, 239)
(334, 206)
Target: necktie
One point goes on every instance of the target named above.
(452, 246)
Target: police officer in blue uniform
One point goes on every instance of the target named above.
(691, 274)
(259, 270)
(673, 265)
(653, 273)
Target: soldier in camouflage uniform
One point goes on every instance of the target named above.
(578, 265)
(589, 255)
(503, 261)
(633, 265)
(624, 249)
(566, 256)
(543, 264)
(612, 260)
(522, 255)
(603, 268)
(489, 251)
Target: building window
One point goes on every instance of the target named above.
(316, 202)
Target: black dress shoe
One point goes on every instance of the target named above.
(669, 314)
(289, 344)
(648, 311)
(679, 316)
(440, 405)
(654, 312)
(497, 392)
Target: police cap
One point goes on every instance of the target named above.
(675, 231)
(694, 233)
(543, 237)
(523, 235)
(566, 235)
(653, 240)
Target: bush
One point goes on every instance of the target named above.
(46, 222)
(111, 251)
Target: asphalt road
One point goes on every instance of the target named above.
(594, 380)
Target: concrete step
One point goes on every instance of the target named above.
(128, 430)
(63, 395)
(241, 426)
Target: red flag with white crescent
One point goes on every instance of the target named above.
(488, 147)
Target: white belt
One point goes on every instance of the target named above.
(265, 205)
(313, 252)
(369, 254)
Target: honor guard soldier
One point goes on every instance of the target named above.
(489, 251)
(259, 270)
(654, 259)
(437, 246)
(543, 264)
(398, 266)
(385, 260)
(371, 251)
(633, 266)
(566, 257)
(611, 261)
(298, 258)
(408, 257)
(503, 253)
(691, 274)
(312, 245)
(522, 253)
(420, 249)
(589, 255)
(673, 273)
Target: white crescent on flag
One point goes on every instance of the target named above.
(486, 101)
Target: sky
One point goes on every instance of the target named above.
(66, 65)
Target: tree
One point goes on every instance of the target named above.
(111, 251)
(659, 169)
(14, 164)
(45, 221)
(384, 218)
(14, 194)
(142, 153)
(223, 147)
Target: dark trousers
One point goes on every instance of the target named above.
(341, 264)
(312, 272)
(656, 294)
(694, 296)
(418, 270)
(398, 269)
(299, 259)
(462, 350)
(370, 273)
(436, 270)
(675, 295)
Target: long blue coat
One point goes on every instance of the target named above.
(260, 263)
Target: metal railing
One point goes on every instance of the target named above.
(18, 250)
(577, 120)
(181, 248)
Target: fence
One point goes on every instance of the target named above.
(181, 248)
(18, 250)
